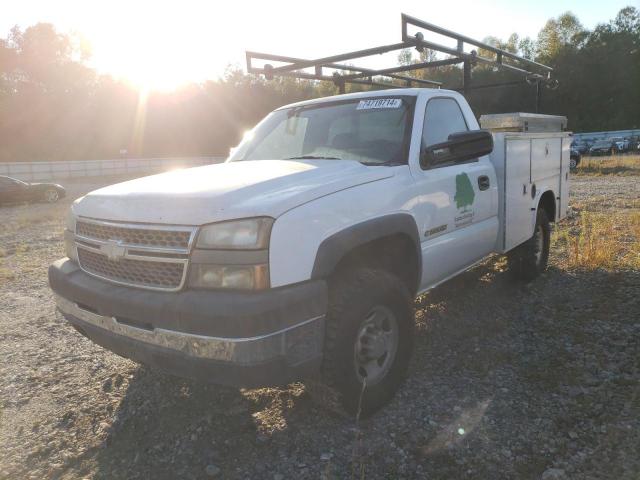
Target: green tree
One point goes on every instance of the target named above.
(527, 48)
(627, 21)
(558, 33)
(405, 57)
(53, 107)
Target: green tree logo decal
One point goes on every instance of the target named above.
(464, 192)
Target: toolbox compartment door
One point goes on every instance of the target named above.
(564, 179)
(517, 198)
(545, 160)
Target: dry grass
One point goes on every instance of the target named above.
(6, 273)
(600, 239)
(603, 232)
(29, 215)
(615, 164)
(22, 258)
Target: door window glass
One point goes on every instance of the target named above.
(442, 118)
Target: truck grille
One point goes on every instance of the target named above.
(135, 236)
(152, 274)
(146, 256)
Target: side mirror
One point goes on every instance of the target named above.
(459, 147)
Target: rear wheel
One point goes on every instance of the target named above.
(51, 195)
(369, 338)
(530, 259)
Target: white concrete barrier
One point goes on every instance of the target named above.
(41, 171)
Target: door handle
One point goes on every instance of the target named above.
(483, 182)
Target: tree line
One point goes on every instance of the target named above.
(54, 107)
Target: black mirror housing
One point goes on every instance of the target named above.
(459, 147)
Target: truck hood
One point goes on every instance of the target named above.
(225, 191)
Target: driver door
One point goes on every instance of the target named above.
(457, 206)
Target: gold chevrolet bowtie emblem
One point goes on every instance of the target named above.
(113, 249)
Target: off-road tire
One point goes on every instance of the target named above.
(51, 195)
(530, 259)
(353, 294)
(573, 164)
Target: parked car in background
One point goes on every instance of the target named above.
(13, 190)
(580, 147)
(574, 158)
(604, 147)
(622, 144)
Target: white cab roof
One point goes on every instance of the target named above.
(376, 93)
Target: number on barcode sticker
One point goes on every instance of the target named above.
(381, 103)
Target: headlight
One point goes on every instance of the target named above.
(214, 266)
(239, 277)
(249, 234)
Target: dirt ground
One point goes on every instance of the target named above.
(507, 381)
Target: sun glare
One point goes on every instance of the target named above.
(153, 64)
(156, 54)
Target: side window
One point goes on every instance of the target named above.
(442, 118)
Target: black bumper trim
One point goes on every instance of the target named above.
(212, 313)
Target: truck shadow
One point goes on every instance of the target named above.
(499, 367)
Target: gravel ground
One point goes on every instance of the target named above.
(508, 381)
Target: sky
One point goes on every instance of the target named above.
(162, 44)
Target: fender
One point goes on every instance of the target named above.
(335, 247)
(536, 205)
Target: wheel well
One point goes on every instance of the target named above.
(394, 253)
(548, 203)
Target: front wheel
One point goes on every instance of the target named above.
(530, 259)
(369, 338)
(51, 195)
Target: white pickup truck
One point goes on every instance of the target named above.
(302, 253)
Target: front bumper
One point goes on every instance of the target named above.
(235, 338)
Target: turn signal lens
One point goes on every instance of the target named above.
(235, 277)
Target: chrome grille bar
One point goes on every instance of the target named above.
(153, 257)
(176, 238)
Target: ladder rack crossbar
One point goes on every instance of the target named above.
(530, 71)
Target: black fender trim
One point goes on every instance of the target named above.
(334, 248)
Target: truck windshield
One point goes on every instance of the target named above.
(373, 131)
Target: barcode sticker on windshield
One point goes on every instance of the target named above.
(381, 103)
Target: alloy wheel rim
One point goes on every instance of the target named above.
(376, 345)
(51, 195)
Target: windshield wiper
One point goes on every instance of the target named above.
(312, 157)
(383, 164)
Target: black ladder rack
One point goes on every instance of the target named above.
(529, 71)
